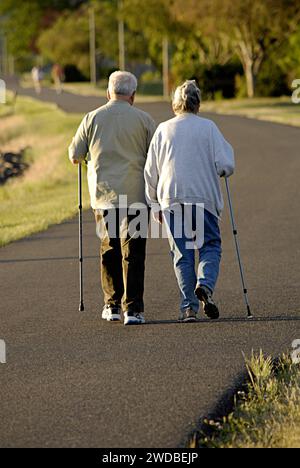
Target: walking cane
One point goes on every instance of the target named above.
(81, 303)
(235, 236)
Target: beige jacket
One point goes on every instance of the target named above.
(115, 138)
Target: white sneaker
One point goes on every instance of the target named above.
(133, 319)
(111, 314)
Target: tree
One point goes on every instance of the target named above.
(253, 27)
(24, 20)
(158, 22)
(258, 29)
(67, 41)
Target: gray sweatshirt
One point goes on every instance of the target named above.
(186, 158)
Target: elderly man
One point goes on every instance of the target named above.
(187, 156)
(115, 138)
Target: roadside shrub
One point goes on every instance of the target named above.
(73, 74)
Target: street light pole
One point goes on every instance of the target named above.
(93, 69)
(3, 57)
(121, 38)
(165, 47)
(11, 65)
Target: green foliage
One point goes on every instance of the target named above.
(67, 41)
(157, 16)
(251, 29)
(21, 25)
(151, 77)
(214, 79)
(158, 21)
(206, 38)
(272, 79)
(24, 20)
(185, 61)
(289, 58)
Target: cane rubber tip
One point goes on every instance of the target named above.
(250, 317)
(81, 308)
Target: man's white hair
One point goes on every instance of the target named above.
(122, 83)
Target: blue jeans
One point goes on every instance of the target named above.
(184, 258)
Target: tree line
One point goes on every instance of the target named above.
(233, 47)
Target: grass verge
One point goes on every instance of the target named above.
(47, 192)
(280, 110)
(265, 415)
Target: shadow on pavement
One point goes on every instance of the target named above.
(225, 320)
(50, 259)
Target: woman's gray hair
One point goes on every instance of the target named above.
(122, 83)
(187, 98)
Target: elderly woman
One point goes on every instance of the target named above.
(187, 156)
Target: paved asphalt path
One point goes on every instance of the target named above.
(73, 380)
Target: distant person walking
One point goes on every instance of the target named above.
(36, 75)
(116, 138)
(187, 156)
(57, 74)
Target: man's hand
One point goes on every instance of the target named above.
(75, 162)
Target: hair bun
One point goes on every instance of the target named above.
(187, 97)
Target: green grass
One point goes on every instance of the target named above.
(47, 192)
(266, 415)
(280, 110)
